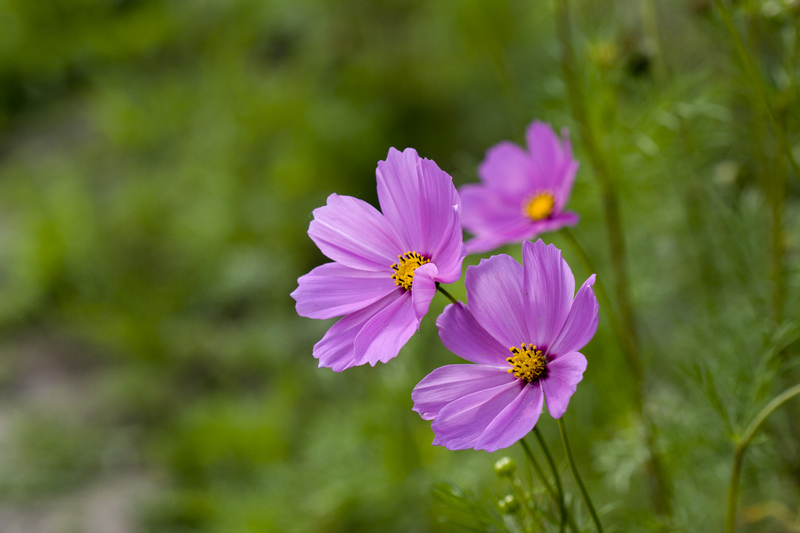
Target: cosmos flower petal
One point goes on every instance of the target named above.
(462, 335)
(449, 383)
(495, 294)
(507, 168)
(515, 421)
(563, 188)
(563, 376)
(335, 350)
(355, 234)
(418, 199)
(547, 155)
(487, 210)
(460, 423)
(549, 286)
(381, 338)
(333, 289)
(423, 288)
(581, 324)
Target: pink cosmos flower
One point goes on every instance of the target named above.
(528, 313)
(523, 193)
(386, 266)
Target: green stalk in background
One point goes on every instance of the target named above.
(591, 143)
(741, 447)
(756, 82)
(587, 500)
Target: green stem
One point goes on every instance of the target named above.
(591, 143)
(540, 474)
(577, 476)
(755, 80)
(560, 489)
(596, 154)
(741, 447)
(447, 294)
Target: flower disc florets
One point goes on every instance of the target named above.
(404, 272)
(540, 206)
(527, 363)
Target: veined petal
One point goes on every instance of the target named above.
(507, 168)
(419, 200)
(333, 290)
(423, 289)
(336, 349)
(563, 376)
(581, 323)
(461, 423)
(352, 232)
(549, 286)
(495, 293)
(382, 337)
(449, 383)
(462, 335)
(513, 422)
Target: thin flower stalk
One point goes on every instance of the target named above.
(741, 447)
(560, 487)
(590, 140)
(757, 83)
(586, 499)
(557, 496)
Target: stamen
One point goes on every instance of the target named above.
(404, 272)
(527, 363)
(539, 206)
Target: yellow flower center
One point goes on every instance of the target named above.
(404, 271)
(527, 363)
(539, 206)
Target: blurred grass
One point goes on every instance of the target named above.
(159, 161)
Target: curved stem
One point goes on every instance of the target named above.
(587, 500)
(447, 294)
(755, 80)
(540, 474)
(537, 468)
(741, 447)
(559, 488)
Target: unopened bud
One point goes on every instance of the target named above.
(508, 505)
(505, 467)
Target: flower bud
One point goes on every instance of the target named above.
(505, 467)
(508, 505)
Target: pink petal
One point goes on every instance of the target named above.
(333, 290)
(352, 232)
(549, 286)
(513, 422)
(421, 203)
(461, 423)
(336, 349)
(563, 376)
(449, 383)
(507, 168)
(462, 335)
(423, 288)
(496, 299)
(382, 337)
(563, 188)
(486, 209)
(548, 156)
(581, 324)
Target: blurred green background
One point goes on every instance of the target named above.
(159, 162)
